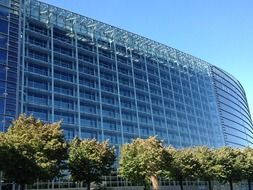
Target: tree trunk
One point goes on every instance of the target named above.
(145, 184)
(231, 184)
(22, 186)
(181, 184)
(88, 185)
(249, 184)
(155, 182)
(210, 185)
(146, 187)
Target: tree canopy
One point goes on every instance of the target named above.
(36, 150)
(143, 161)
(247, 165)
(32, 149)
(89, 160)
(228, 165)
(184, 165)
(204, 156)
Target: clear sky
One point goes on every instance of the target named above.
(217, 31)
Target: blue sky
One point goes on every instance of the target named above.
(217, 31)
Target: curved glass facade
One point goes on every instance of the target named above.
(233, 107)
(107, 83)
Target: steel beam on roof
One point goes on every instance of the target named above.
(87, 26)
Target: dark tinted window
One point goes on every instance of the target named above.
(1, 105)
(3, 55)
(2, 87)
(3, 41)
(2, 73)
(4, 12)
(3, 26)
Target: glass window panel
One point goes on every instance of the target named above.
(69, 133)
(1, 106)
(235, 139)
(3, 26)
(3, 55)
(5, 2)
(2, 87)
(2, 73)
(4, 11)
(3, 41)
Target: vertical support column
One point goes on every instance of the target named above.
(23, 61)
(78, 87)
(52, 68)
(185, 109)
(5, 94)
(164, 112)
(99, 88)
(192, 98)
(213, 81)
(120, 110)
(21, 7)
(150, 100)
(135, 96)
(180, 141)
(208, 137)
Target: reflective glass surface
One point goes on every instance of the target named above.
(98, 92)
(3, 26)
(8, 61)
(108, 88)
(234, 109)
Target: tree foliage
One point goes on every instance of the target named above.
(205, 158)
(89, 160)
(184, 165)
(228, 165)
(36, 150)
(32, 149)
(143, 160)
(4, 150)
(247, 165)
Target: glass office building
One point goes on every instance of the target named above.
(108, 83)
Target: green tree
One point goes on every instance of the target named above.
(36, 150)
(204, 156)
(247, 165)
(3, 150)
(130, 167)
(89, 160)
(184, 165)
(228, 165)
(143, 161)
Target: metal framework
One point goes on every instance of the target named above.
(83, 25)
